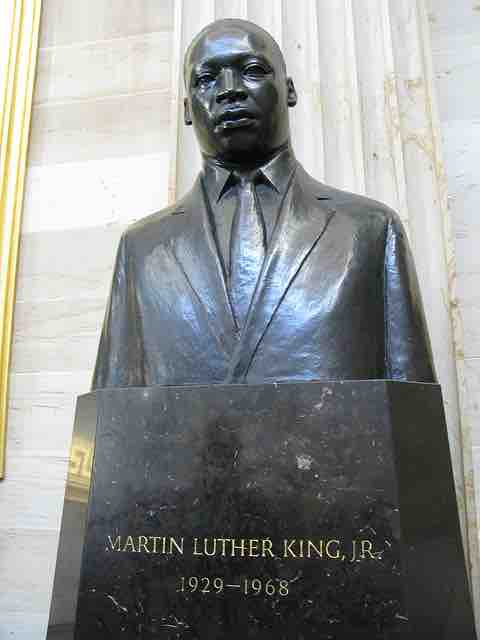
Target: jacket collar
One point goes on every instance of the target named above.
(277, 171)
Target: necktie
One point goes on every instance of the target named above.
(247, 246)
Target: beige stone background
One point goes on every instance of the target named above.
(388, 89)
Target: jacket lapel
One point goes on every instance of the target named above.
(302, 221)
(200, 263)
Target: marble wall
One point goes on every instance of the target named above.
(108, 146)
(99, 157)
(455, 37)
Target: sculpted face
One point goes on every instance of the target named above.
(238, 93)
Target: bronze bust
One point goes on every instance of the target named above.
(260, 273)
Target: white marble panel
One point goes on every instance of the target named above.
(449, 19)
(136, 124)
(469, 300)
(472, 371)
(103, 68)
(300, 49)
(231, 9)
(41, 412)
(467, 250)
(57, 335)
(185, 155)
(110, 191)
(82, 267)
(32, 495)
(20, 626)
(462, 145)
(380, 113)
(457, 60)
(27, 557)
(339, 95)
(69, 21)
(476, 467)
(268, 14)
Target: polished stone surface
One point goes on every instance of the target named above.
(184, 471)
(74, 519)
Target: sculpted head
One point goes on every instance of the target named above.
(238, 92)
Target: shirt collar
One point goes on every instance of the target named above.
(276, 171)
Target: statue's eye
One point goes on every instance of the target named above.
(255, 71)
(204, 79)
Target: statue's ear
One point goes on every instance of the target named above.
(292, 93)
(187, 116)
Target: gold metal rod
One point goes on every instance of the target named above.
(19, 36)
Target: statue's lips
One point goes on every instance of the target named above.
(235, 118)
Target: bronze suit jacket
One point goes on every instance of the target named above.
(337, 298)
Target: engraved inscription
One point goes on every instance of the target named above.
(163, 545)
(247, 586)
(291, 549)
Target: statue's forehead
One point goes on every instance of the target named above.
(226, 42)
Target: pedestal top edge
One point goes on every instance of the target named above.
(276, 385)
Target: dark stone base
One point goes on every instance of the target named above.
(288, 512)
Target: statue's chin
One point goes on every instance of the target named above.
(237, 144)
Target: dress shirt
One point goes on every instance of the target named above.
(221, 186)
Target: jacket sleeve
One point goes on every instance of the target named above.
(407, 347)
(120, 361)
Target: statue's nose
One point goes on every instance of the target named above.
(230, 87)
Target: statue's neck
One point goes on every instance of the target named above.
(246, 164)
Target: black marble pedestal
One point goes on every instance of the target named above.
(288, 512)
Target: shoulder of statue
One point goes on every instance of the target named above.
(162, 225)
(358, 206)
